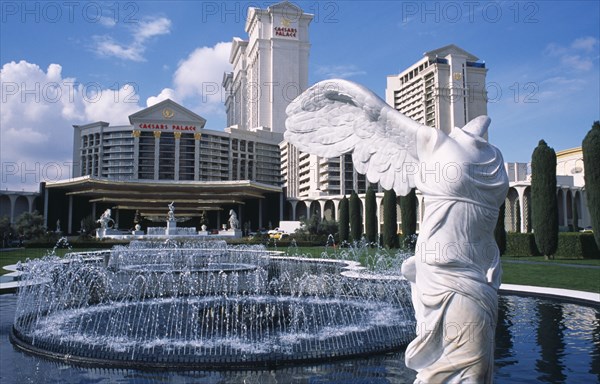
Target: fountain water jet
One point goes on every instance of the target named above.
(206, 305)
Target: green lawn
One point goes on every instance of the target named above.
(551, 273)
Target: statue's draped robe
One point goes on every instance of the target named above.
(455, 273)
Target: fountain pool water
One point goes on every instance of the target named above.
(205, 305)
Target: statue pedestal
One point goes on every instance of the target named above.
(171, 227)
(236, 233)
(100, 233)
(137, 233)
(203, 233)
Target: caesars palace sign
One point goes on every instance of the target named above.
(167, 113)
(169, 127)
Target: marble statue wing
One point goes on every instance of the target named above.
(335, 117)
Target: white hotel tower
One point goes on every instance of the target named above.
(445, 89)
(271, 68)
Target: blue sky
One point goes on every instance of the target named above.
(66, 63)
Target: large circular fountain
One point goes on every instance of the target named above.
(205, 305)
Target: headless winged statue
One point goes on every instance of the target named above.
(455, 272)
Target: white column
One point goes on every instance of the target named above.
(13, 199)
(45, 208)
(177, 136)
(564, 204)
(281, 206)
(136, 154)
(197, 137)
(522, 212)
(156, 153)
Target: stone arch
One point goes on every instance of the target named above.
(289, 211)
(315, 208)
(329, 211)
(569, 196)
(512, 214)
(301, 211)
(527, 209)
(5, 206)
(577, 207)
(21, 206)
(560, 196)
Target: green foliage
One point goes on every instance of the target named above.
(577, 245)
(355, 218)
(89, 226)
(316, 226)
(543, 198)
(591, 163)
(30, 225)
(6, 231)
(390, 219)
(344, 224)
(371, 216)
(571, 245)
(521, 244)
(500, 231)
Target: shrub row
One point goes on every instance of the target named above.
(76, 244)
(572, 245)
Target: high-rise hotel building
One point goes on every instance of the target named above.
(445, 89)
(166, 154)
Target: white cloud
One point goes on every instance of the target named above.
(586, 44)
(38, 110)
(339, 71)
(165, 94)
(197, 80)
(134, 51)
(579, 55)
(201, 73)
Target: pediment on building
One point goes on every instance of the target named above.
(167, 111)
(451, 49)
(286, 6)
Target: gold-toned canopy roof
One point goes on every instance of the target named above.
(151, 197)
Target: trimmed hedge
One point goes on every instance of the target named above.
(77, 244)
(521, 244)
(571, 245)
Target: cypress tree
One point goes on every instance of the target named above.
(390, 219)
(500, 231)
(344, 225)
(591, 164)
(408, 213)
(355, 217)
(544, 209)
(371, 216)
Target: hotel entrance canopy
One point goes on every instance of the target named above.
(151, 197)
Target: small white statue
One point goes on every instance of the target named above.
(105, 219)
(455, 273)
(58, 226)
(233, 220)
(171, 214)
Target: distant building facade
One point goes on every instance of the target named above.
(445, 89)
(167, 155)
(570, 192)
(169, 142)
(14, 203)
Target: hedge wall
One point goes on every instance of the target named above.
(571, 245)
